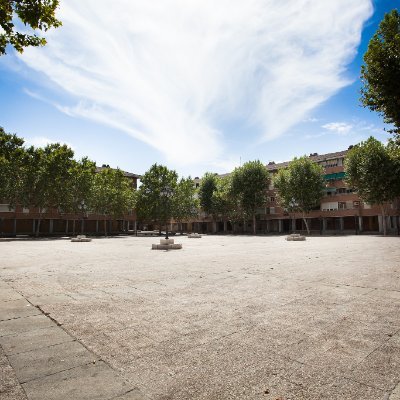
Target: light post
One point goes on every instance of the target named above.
(166, 193)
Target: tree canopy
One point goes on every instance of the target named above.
(300, 186)
(185, 203)
(380, 73)
(155, 195)
(113, 194)
(249, 186)
(373, 170)
(12, 157)
(207, 188)
(37, 14)
(50, 178)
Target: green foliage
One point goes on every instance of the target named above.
(372, 169)
(207, 188)
(249, 186)
(222, 198)
(12, 156)
(300, 186)
(113, 194)
(47, 174)
(155, 195)
(184, 201)
(80, 186)
(51, 179)
(381, 72)
(38, 14)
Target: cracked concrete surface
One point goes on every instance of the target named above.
(227, 317)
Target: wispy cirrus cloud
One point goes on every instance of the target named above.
(168, 72)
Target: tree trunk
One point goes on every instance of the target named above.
(254, 225)
(306, 223)
(181, 228)
(73, 227)
(38, 225)
(105, 227)
(383, 219)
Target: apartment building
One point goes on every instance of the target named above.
(340, 211)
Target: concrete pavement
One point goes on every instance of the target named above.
(224, 318)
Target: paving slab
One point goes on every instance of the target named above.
(10, 389)
(50, 360)
(17, 309)
(89, 382)
(8, 294)
(13, 326)
(34, 340)
(395, 395)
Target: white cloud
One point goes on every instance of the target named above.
(341, 128)
(43, 141)
(168, 72)
(356, 126)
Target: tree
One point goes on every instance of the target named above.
(249, 185)
(208, 186)
(12, 160)
(80, 191)
(222, 196)
(373, 170)
(226, 204)
(381, 72)
(184, 201)
(154, 201)
(38, 14)
(12, 156)
(300, 186)
(113, 194)
(46, 179)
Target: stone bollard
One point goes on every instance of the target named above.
(81, 238)
(166, 244)
(295, 237)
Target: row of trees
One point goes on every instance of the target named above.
(50, 178)
(241, 195)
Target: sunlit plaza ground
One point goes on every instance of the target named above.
(226, 317)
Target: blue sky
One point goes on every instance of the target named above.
(199, 87)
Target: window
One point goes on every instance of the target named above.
(342, 205)
(356, 204)
(272, 210)
(5, 208)
(272, 199)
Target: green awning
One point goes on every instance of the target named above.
(335, 177)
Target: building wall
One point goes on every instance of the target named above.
(340, 209)
(22, 221)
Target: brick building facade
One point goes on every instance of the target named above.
(23, 221)
(340, 211)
